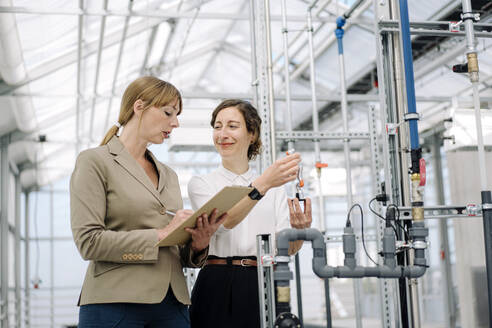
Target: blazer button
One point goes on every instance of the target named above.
(162, 211)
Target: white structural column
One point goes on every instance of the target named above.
(17, 255)
(264, 83)
(4, 231)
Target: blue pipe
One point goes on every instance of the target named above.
(409, 79)
(339, 34)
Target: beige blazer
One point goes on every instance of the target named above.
(115, 211)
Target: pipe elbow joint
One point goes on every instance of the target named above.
(340, 22)
(415, 271)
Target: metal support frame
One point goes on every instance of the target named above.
(98, 66)
(447, 286)
(17, 254)
(117, 69)
(4, 231)
(155, 13)
(265, 256)
(52, 259)
(384, 285)
(27, 265)
(79, 78)
(258, 21)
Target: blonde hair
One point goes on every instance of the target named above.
(152, 91)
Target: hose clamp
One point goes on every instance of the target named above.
(419, 244)
(282, 259)
(486, 206)
(470, 15)
(411, 116)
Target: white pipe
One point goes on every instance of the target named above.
(299, 33)
(317, 150)
(271, 100)
(474, 78)
(288, 102)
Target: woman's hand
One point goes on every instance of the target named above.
(180, 217)
(282, 171)
(298, 218)
(205, 228)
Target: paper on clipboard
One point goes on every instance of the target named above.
(223, 201)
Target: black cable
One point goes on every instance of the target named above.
(347, 224)
(380, 216)
(397, 221)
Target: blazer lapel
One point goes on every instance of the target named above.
(162, 177)
(132, 167)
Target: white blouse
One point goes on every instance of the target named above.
(270, 215)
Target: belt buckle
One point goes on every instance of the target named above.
(243, 264)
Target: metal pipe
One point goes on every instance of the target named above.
(409, 78)
(4, 232)
(339, 32)
(487, 230)
(315, 119)
(52, 260)
(17, 255)
(288, 103)
(154, 13)
(254, 75)
(471, 54)
(79, 77)
(448, 295)
(98, 66)
(354, 6)
(271, 101)
(299, 34)
(290, 143)
(117, 69)
(27, 288)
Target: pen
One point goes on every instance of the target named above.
(170, 213)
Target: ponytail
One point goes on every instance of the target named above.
(110, 134)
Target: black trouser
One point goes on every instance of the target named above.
(225, 296)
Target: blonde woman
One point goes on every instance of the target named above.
(121, 200)
(226, 291)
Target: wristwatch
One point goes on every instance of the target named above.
(254, 194)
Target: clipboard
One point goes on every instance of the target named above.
(223, 201)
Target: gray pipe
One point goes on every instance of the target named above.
(350, 270)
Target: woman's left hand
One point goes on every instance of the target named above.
(300, 219)
(205, 228)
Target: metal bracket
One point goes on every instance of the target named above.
(443, 212)
(310, 135)
(455, 26)
(267, 260)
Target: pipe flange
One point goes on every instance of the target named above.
(287, 320)
(282, 259)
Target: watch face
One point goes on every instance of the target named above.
(255, 194)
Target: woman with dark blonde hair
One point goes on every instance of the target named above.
(226, 291)
(122, 201)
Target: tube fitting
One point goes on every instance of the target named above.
(473, 66)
